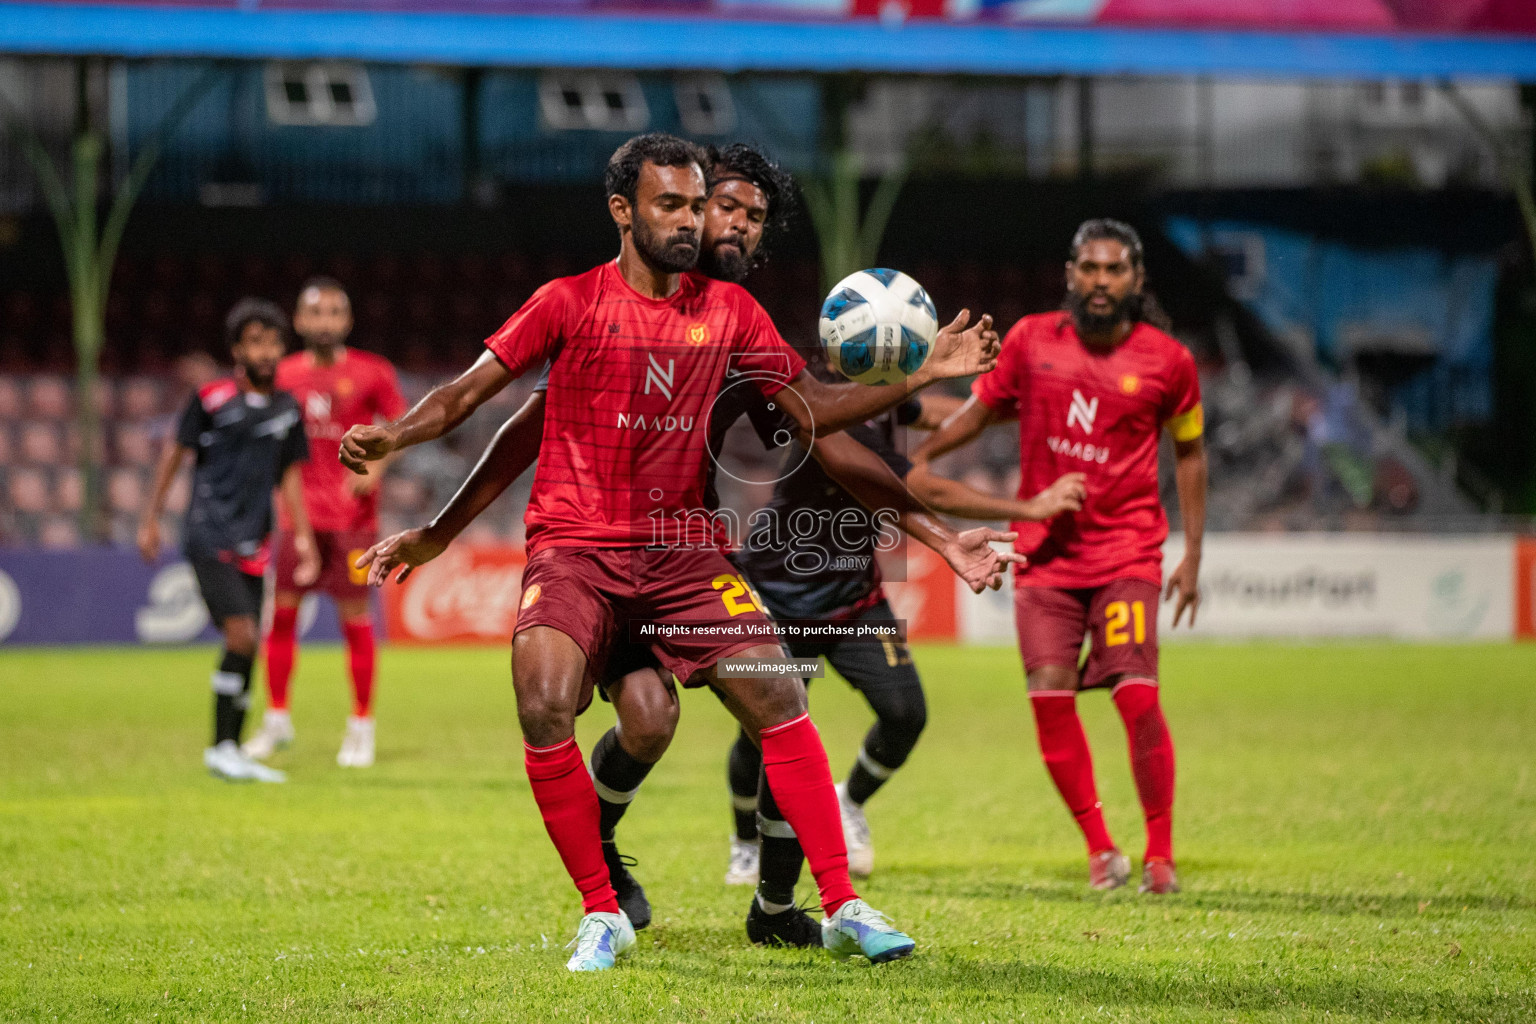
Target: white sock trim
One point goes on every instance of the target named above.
(774, 829)
(875, 768)
(773, 908)
(744, 803)
(227, 684)
(613, 796)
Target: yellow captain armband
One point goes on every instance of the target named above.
(1188, 425)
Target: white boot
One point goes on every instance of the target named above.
(276, 733)
(357, 745)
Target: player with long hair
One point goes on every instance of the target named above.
(1092, 387)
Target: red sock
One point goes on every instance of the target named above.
(1151, 760)
(801, 781)
(280, 656)
(1069, 761)
(360, 660)
(563, 790)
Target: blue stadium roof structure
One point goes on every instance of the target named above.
(730, 44)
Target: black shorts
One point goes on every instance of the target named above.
(227, 591)
(867, 664)
(624, 657)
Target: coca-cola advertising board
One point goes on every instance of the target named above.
(468, 594)
(923, 594)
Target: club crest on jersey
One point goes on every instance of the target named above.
(698, 334)
(1082, 412)
(529, 596)
(661, 378)
(1130, 384)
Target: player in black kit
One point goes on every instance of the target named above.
(828, 574)
(247, 439)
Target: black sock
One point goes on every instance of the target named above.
(231, 696)
(781, 857)
(742, 769)
(617, 777)
(866, 776)
(900, 715)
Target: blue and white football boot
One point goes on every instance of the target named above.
(857, 929)
(601, 939)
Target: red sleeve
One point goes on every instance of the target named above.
(1183, 392)
(536, 331)
(1181, 411)
(388, 399)
(761, 352)
(1002, 389)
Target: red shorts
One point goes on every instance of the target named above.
(339, 549)
(1120, 619)
(600, 597)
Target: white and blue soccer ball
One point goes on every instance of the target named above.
(877, 326)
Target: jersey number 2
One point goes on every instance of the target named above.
(738, 597)
(1117, 614)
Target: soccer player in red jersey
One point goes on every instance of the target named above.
(641, 348)
(337, 387)
(747, 205)
(1092, 387)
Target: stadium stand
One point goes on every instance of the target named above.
(1291, 448)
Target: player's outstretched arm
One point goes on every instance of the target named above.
(1189, 475)
(955, 498)
(291, 491)
(443, 408)
(149, 519)
(514, 448)
(959, 351)
(959, 428)
(934, 407)
(865, 475)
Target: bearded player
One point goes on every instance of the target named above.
(337, 387)
(1091, 388)
(639, 349)
(246, 439)
(747, 204)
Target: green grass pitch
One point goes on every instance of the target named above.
(1355, 832)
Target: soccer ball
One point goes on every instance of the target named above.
(877, 326)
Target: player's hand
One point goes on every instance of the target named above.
(1067, 494)
(149, 540)
(976, 561)
(960, 351)
(362, 485)
(405, 550)
(308, 569)
(1185, 585)
(363, 444)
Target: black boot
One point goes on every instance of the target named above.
(630, 895)
(792, 927)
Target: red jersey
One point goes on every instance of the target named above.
(359, 388)
(1099, 413)
(626, 420)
